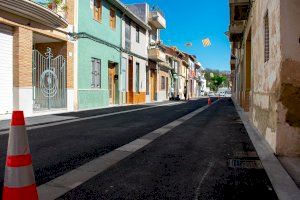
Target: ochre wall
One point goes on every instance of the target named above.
(265, 74)
(288, 122)
(276, 83)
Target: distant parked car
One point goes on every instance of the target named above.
(211, 94)
(228, 94)
(222, 94)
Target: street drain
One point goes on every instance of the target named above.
(245, 154)
(245, 164)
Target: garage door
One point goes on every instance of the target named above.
(6, 70)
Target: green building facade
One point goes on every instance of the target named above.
(98, 54)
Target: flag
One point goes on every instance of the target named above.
(206, 42)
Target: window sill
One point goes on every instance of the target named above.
(99, 21)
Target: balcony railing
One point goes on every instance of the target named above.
(156, 53)
(33, 11)
(157, 19)
(157, 9)
(237, 27)
(59, 7)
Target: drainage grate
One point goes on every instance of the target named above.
(245, 154)
(245, 164)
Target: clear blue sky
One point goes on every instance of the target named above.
(192, 21)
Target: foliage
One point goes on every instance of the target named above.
(57, 5)
(217, 81)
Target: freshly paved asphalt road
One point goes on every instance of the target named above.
(192, 161)
(58, 149)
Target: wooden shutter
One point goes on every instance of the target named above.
(112, 18)
(97, 10)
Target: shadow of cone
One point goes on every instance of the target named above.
(19, 181)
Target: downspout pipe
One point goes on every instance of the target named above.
(120, 66)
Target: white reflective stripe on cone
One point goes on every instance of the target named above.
(18, 141)
(17, 177)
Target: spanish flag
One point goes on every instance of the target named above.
(206, 42)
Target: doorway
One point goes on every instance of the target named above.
(248, 72)
(153, 85)
(112, 83)
(167, 88)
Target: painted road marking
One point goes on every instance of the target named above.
(210, 166)
(92, 117)
(63, 184)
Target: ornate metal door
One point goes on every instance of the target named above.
(49, 81)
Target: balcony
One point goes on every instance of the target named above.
(34, 11)
(239, 14)
(156, 54)
(58, 7)
(237, 27)
(239, 1)
(157, 20)
(165, 65)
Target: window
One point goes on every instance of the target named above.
(137, 34)
(267, 37)
(127, 35)
(98, 10)
(137, 74)
(176, 68)
(163, 83)
(112, 22)
(123, 74)
(96, 75)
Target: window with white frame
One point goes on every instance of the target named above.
(96, 73)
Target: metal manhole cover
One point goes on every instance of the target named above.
(245, 164)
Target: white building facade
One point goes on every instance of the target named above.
(134, 59)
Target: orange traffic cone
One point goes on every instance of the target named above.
(19, 182)
(209, 101)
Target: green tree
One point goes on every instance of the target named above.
(216, 82)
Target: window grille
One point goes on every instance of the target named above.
(96, 78)
(267, 37)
